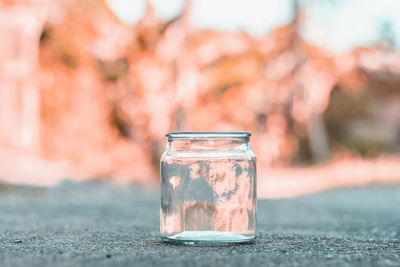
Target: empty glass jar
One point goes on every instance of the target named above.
(208, 188)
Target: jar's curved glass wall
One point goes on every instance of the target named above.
(208, 188)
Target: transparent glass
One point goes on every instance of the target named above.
(208, 189)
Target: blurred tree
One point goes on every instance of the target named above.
(316, 131)
(386, 35)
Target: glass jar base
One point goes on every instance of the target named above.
(208, 238)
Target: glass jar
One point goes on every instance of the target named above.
(208, 188)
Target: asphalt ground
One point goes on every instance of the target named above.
(99, 224)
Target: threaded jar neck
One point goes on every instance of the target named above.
(203, 141)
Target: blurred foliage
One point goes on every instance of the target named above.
(108, 92)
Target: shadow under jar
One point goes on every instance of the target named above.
(208, 189)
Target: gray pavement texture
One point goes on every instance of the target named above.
(98, 224)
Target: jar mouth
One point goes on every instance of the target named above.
(205, 135)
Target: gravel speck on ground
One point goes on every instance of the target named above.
(97, 224)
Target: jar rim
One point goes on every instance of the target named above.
(202, 135)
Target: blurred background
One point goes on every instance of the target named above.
(88, 89)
